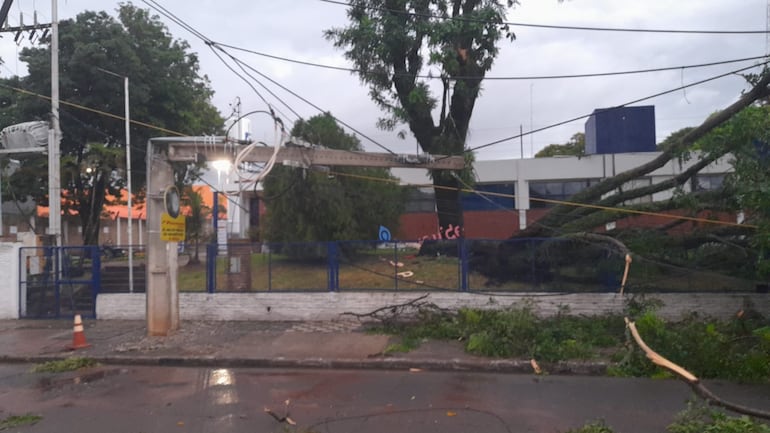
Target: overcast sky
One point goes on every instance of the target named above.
(293, 28)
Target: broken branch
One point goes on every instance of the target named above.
(690, 378)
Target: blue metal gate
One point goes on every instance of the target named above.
(58, 282)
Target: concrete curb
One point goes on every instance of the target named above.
(596, 368)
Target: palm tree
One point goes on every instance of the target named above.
(195, 219)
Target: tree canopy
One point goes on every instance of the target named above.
(576, 146)
(166, 90)
(393, 43)
(310, 205)
(738, 132)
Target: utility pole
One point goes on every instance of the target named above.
(54, 153)
(162, 267)
(54, 131)
(130, 233)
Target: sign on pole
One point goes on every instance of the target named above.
(172, 229)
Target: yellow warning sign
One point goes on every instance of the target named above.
(172, 229)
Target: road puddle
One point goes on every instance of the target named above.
(51, 383)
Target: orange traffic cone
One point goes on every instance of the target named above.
(78, 336)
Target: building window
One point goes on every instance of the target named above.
(420, 200)
(635, 184)
(556, 190)
(708, 182)
(472, 201)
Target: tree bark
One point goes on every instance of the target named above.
(563, 213)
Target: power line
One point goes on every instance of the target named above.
(564, 122)
(321, 110)
(170, 15)
(94, 110)
(245, 80)
(549, 201)
(153, 4)
(488, 78)
(554, 26)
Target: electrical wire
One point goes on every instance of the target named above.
(153, 4)
(321, 110)
(214, 48)
(170, 15)
(494, 78)
(560, 202)
(635, 101)
(552, 26)
(254, 89)
(94, 110)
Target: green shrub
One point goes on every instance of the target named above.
(64, 365)
(702, 419)
(594, 427)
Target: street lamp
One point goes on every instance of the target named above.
(128, 181)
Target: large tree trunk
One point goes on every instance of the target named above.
(448, 202)
(562, 214)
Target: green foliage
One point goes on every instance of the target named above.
(406, 344)
(750, 133)
(576, 146)
(699, 418)
(166, 90)
(737, 349)
(64, 365)
(195, 220)
(393, 43)
(306, 205)
(19, 421)
(517, 332)
(593, 427)
(674, 138)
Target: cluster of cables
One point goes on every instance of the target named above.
(249, 179)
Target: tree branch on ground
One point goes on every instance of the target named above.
(689, 378)
(393, 313)
(561, 214)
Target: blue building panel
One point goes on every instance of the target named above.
(480, 202)
(621, 130)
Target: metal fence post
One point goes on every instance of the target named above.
(395, 267)
(269, 267)
(532, 250)
(334, 267)
(211, 268)
(96, 269)
(463, 254)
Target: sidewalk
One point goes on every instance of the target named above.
(338, 344)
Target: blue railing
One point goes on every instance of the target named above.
(448, 265)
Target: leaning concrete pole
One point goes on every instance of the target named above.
(54, 135)
(162, 292)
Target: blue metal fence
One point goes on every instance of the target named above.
(58, 282)
(447, 265)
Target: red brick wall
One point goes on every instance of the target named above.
(504, 224)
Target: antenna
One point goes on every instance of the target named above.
(767, 30)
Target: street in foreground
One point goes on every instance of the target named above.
(165, 399)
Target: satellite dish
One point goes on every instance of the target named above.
(25, 135)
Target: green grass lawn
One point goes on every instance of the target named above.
(374, 269)
(365, 271)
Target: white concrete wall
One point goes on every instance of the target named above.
(329, 306)
(9, 285)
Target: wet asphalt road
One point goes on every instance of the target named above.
(166, 399)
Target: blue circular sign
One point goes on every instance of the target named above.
(384, 233)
